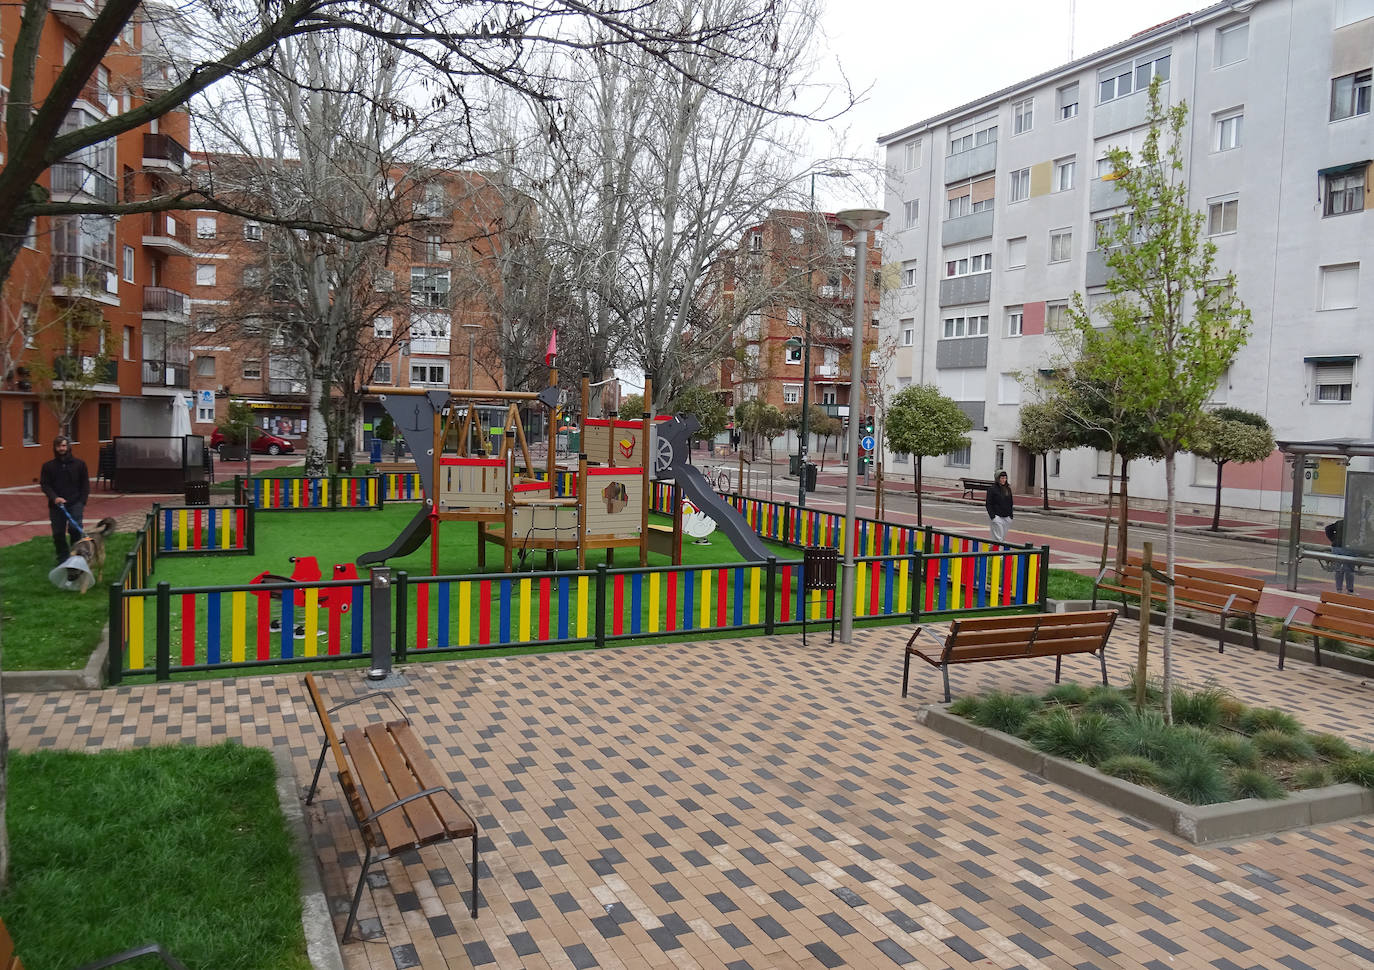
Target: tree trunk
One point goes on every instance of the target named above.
(1216, 506)
(1123, 523)
(316, 434)
(1107, 519)
(1170, 516)
(917, 486)
(1045, 479)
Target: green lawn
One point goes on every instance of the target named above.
(180, 845)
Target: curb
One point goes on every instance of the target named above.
(321, 944)
(90, 677)
(1246, 818)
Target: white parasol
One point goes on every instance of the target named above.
(181, 416)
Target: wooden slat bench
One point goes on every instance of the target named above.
(1206, 590)
(989, 638)
(1340, 616)
(971, 485)
(397, 794)
(9, 960)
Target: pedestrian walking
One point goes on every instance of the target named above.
(1345, 571)
(67, 485)
(999, 506)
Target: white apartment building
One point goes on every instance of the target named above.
(993, 205)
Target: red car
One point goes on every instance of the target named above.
(265, 443)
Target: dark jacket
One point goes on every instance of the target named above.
(1335, 532)
(65, 478)
(998, 501)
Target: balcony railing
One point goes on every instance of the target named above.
(157, 75)
(164, 232)
(94, 93)
(835, 292)
(165, 373)
(86, 274)
(71, 178)
(160, 147)
(285, 386)
(98, 371)
(160, 300)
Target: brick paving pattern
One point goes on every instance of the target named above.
(744, 804)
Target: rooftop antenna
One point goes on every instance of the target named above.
(1073, 19)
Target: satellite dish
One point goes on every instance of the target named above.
(695, 522)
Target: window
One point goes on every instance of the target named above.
(205, 227)
(382, 327)
(798, 235)
(961, 458)
(31, 422)
(1067, 100)
(434, 245)
(1228, 130)
(128, 343)
(908, 333)
(429, 372)
(205, 366)
(965, 140)
(966, 325)
(1340, 285)
(429, 286)
(1056, 315)
(1332, 383)
(205, 274)
(909, 274)
(1232, 41)
(1016, 252)
(1120, 80)
(1063, 173)
(1106, 462)
(756, 242)
(913, 212)
(1349, 11)
(252, 370)
(205, 413)
(969, 265)
(794, 353)
(1015, 317)
(791, 393)
(1020, 185)
(128, 264)
(1221, 216)
(1008, 388)
(1344, 192)
(911, 155)
(252, 231)
(1061, 245)
(1350, 95)
(381, 374)
(1022, 116)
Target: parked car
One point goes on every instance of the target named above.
(265, 443)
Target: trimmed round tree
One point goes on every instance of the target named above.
(923, 423)
(1232, 434)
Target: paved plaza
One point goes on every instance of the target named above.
(747, 803)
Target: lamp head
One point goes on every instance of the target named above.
(861, 220)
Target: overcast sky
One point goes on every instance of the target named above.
(923, 57)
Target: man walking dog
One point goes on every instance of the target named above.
(67, 485)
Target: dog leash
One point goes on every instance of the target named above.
(72, 521)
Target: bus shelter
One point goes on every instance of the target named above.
(1329, 481)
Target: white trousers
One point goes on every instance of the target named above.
(999, 527)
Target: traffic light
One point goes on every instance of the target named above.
(868, 424)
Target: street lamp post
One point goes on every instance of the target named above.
(861, 221)
(804, 432)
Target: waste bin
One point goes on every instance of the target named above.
(794, 464)
(197, 493)
(375, 454)
(811, 476)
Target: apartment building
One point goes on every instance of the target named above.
(125, 279)
(995, 203)
(791, 277)
(425, 315)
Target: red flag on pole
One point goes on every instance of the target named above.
(553, 349)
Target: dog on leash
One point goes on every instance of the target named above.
(91, 547)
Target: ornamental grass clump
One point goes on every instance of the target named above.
(1109, 701)
(1201, 708)
(966, 707)
(1143, 733)
(1067, 694)
(1195, 778)
(1090, 737)
(1312, 776)
(1358, 769)
(1257, 719)
(1280, 745)
(1237, 750)
(1254, 783)
(1005, 712)
(1132, 768)
(1330, 747)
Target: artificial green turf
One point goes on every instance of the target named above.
(180, 845)
(47, 628)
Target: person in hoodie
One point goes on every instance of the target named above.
(999, 506)
(67, 485)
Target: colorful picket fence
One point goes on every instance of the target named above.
(331, 492)
(402, 487)
(203, 530)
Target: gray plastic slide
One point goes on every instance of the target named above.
(693, 483)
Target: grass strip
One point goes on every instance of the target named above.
(180, 845)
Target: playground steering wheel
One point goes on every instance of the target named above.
(663, 455)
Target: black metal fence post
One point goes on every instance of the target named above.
(601, 604)
(1044, 579)
(402, 615)
(380, 606)
(164, 631)
(770, 610)
(252, 524)
(918, 584)
(115, 651)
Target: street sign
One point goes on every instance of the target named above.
(866, 443)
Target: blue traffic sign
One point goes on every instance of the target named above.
(867, 442)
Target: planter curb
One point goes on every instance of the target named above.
(322, 945)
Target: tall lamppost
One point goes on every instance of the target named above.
(804, 433)
(862, 221)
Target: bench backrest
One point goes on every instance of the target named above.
(8, 960)
(1345, 613)
(331, 738)
(1201, 585)
(1033, 635)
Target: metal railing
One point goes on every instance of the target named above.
(72, 177)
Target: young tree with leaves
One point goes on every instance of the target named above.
(1173, 325)
(923, 422)
(1232, 434)
(1044, 428)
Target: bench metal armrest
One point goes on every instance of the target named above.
(1288, 621)
(368, 696)
(1102, 572)
(919, 630)
(410, 798)
(147, 949)
(1226, 610)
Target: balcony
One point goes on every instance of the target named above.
(94, 369)
(160, 303)
(827, 371)
(71, 179)
(76, 14)
(164, 153)
(958, 290)
(285, 386)
(157, 75)
(163, 232)
(976, 225)
(93, 93)
(166, 373)
(429, 345)
(975, 161)
(80, 276)
(835, 292)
